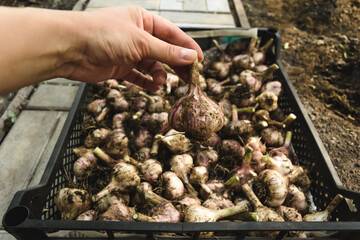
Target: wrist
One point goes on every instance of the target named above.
(71, 33)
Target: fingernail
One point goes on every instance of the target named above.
(188, 54)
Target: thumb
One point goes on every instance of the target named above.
(170, 54)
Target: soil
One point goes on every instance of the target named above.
(321, 53)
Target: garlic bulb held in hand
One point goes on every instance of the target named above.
(196, 114)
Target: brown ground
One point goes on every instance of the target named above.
(321, 53)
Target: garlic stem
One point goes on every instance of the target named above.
(334, 203)
(266, 46)
(289, 119)
(142, 217)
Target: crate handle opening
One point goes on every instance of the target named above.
(16, 216)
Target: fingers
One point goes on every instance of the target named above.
(155, 69)
(141, 80)
(154, 48)
(165, 30)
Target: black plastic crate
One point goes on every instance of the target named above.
(32, 213)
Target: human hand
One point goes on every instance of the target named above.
(120, 39)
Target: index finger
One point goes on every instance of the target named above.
(165, 30)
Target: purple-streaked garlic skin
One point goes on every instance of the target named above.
(259, 54)
(112, 94)
(216, 202)
(272, 86)
(139, 103)
(143, 138)
(117, 101)
(118, 212)
(71, 202)
(260, 68)
(120, 104)
(125, 178)
(151, 170)
(256, 144)
(225, 106)
(199, 176)
(118, 120)
(276, 186)
(234, 79)
(264, 214)
(142, 154)
(158, 123)
(296, 199)
(96, 106)
(156, 103)
(172, 81)
(272, 136)
(88, 215)
(84, 165)
(165, 212)
(96, 138)
(241, 174)
(243, 61)
(213, 141)
(182, 165)
(117, 144)
(104, 203)
(181, 91)
(282, 164)
(221, 70)
(231, 147)
(267, 101)
(207, 158)
(172, 185)
(186, 201)
(240, 96)
(196, 114)
(216, 186)
(238, 127)
(250, 79)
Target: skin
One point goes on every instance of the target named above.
(41, 44)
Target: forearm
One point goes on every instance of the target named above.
(37, 45)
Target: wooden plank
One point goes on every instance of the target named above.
(20, 149)
(43, 157)
(6, 236)
(199, 18)
(53, 97)
(240, 14)
(16, 105)
(195, 5)
(218, 6)
(147, 4)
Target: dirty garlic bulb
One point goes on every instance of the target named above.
(196, 114)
